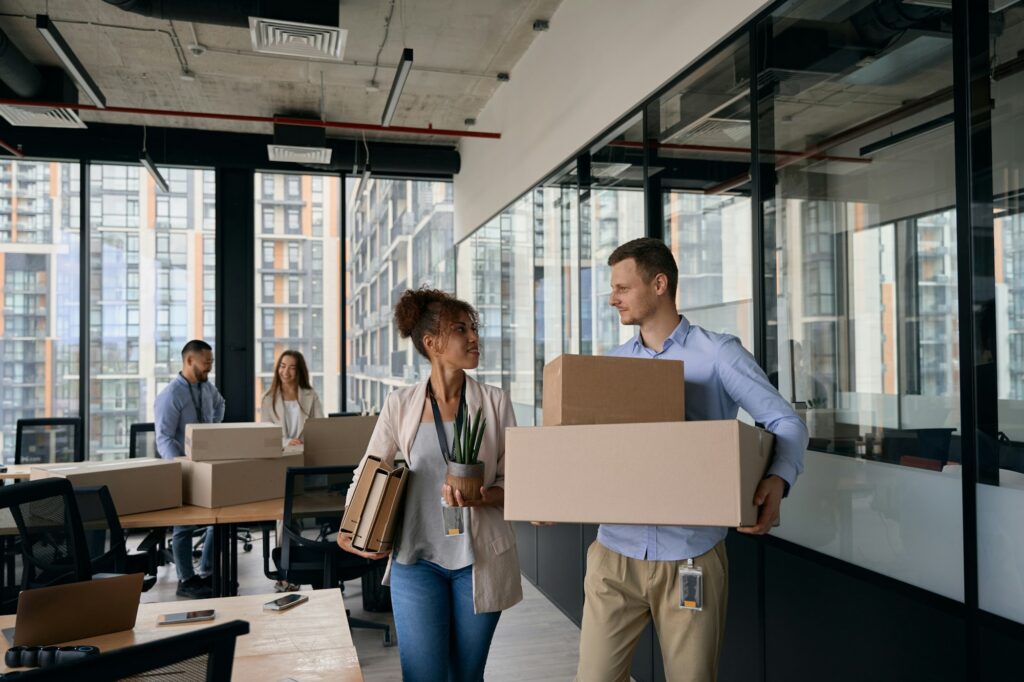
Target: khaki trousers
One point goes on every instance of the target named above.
(622, 594)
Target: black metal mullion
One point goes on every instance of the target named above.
(84, 263)
(975, 265)
(343, 266)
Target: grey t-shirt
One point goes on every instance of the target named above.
(421, 536)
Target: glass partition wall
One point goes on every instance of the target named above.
(805, 174)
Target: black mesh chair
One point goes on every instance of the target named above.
(140, 445)
(314, 501)
(52, 439)
(45, 516)
(204, 655)
(108, 551)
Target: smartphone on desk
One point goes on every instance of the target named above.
(285, 602)
(185, 617)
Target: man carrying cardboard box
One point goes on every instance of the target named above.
(188, 399)
(676, 574)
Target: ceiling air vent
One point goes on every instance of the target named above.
(299, 144)
(292, 154)
(295, 39)
(40, 117)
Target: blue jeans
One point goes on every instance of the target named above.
(440, 639)
(181, 547)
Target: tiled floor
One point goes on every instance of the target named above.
(534, 640)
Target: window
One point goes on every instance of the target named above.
(383, 262)
(860, 258)
(39, 337)
(141, 298)
(296, 290)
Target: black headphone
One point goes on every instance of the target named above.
(43, 656)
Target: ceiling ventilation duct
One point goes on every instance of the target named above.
(300, 28)
(299, 144)
(23, 80)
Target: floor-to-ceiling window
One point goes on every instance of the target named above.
(298, 279)
(479, 281)
(857, 156)
(698, 140)
(1000, 357)
(39, 269)
(398, 237)
(611, 209)
(152, 288)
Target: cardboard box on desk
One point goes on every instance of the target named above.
(586, 389)
(223, 483)
(136, 485)
(372, 514)
(674, 473)
(247, 440)
(337, 441)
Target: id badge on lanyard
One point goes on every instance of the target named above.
(691, 587)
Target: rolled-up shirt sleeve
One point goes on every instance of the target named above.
(748, 386)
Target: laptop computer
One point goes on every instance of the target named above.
(75, 611)
(336, 441)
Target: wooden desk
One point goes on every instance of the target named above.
(224, 520)
(309, 642)
(16, 472)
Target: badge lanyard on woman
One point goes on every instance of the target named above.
(197, 404)
(454, 519)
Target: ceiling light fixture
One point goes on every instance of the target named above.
(401, 75)
(908, 134)
(70, 61)
(147, 161)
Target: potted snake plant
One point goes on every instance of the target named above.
(465, 472)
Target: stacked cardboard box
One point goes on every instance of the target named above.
(371, 516)
(615, 448)
(135, 485)
(227, 464)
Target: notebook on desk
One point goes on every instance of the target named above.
(75, 611)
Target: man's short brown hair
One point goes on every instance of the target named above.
(652, 258)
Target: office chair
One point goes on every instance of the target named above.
(344, 414)
(44, 441)
(205, 655)
(135, 432)
(52, 543)
(102, 529)
(155, 541)
(314, 501)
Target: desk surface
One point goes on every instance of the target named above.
(309, 642)
(188, 515)
(16, 471)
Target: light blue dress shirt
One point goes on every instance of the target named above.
(175, 408)
(721, 376)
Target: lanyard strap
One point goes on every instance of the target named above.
(442, 437)
(197, 404)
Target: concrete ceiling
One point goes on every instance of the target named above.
(460, 47)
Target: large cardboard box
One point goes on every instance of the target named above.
(674, 473)
(372, 515)
(136, 485)
(337, 441)
(246, 440)
(226, 482)
(589, 389)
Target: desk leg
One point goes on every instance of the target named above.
(232, 586)
(218, 561)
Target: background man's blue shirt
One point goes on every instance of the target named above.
(175, 409)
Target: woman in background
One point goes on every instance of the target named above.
(291, 400)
